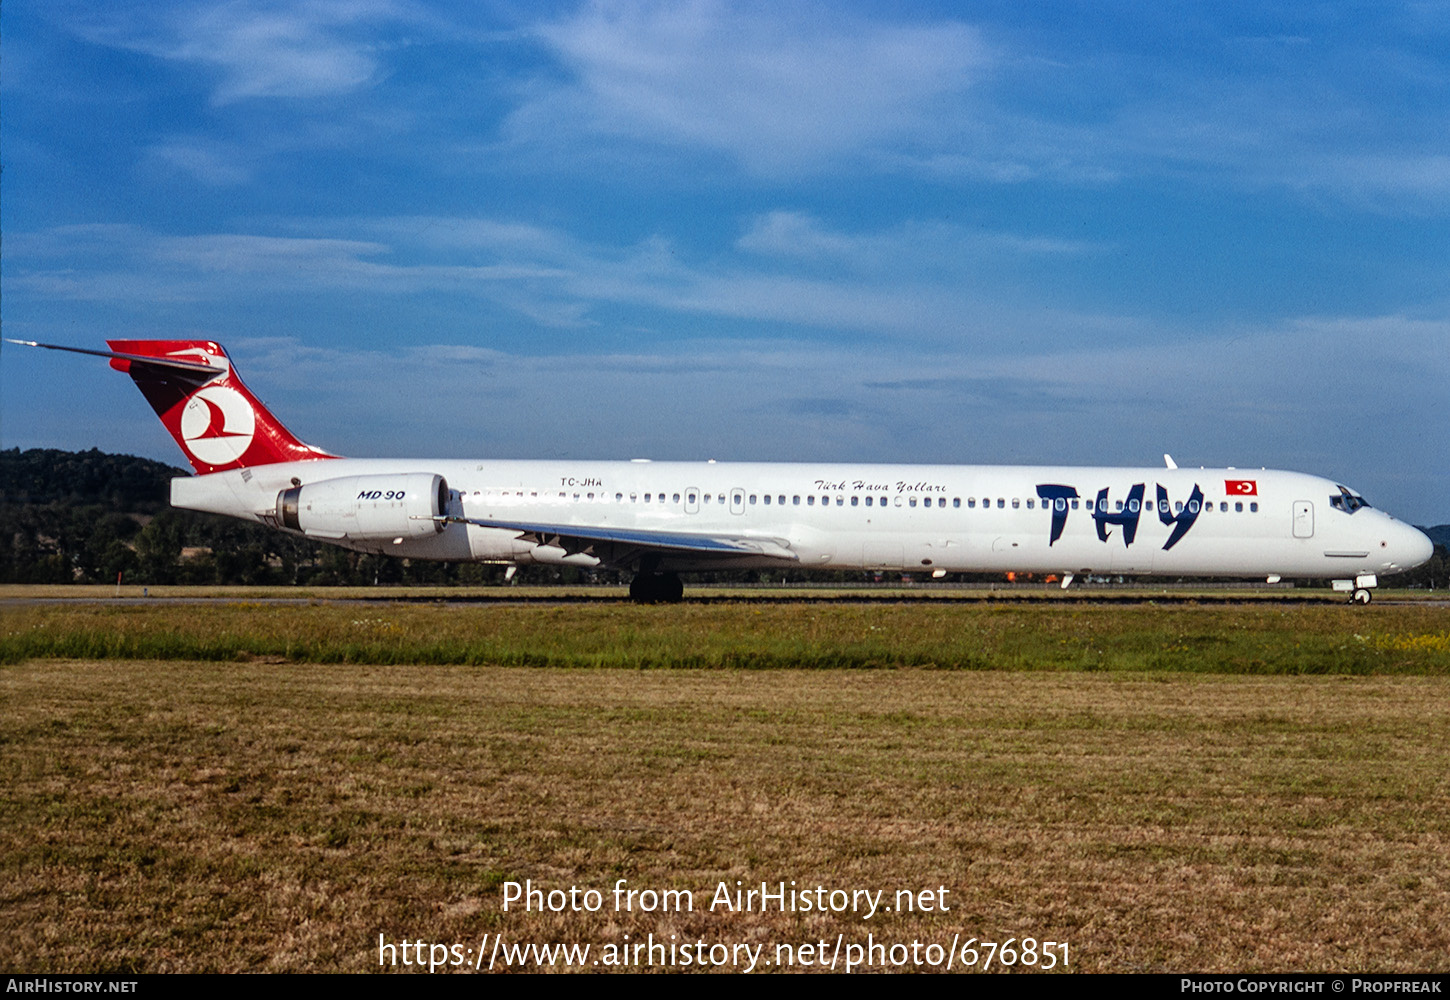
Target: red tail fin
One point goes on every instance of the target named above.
(213, 417)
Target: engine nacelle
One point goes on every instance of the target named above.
(366, 508)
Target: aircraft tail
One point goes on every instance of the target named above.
(209, 411)
(213, 417)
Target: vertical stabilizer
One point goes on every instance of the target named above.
(209, 411)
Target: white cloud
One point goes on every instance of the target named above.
(777, 88)
(273, 53)
(914, 246)
(255, 48)
(543, 274)
(213, 163)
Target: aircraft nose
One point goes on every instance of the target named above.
(1409, 547)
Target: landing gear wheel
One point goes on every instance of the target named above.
(1361, 596)
(656, 588)
(640, 591)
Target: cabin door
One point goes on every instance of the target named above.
(1303, 519)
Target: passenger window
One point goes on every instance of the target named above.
(1238, 507)
(1016, 504)
(767, 499)
(956, 501)
(752, 499)
(1253, 508)
(1133, 506)
(677, 498)
(855, 501)
(911, 502)
(795, 501)
(810, 501)
(1001, 503)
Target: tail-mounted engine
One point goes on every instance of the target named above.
(366, 508)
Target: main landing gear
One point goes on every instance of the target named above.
(656, 588)
(1361, 596)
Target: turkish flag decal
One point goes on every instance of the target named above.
(1241, 487)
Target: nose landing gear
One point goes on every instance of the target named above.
(1358, 589)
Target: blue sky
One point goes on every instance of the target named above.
(980, 233)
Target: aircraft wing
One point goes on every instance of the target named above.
(574, 538)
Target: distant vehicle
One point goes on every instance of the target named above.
(660, 519)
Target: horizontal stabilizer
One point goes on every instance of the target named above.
(177, 363)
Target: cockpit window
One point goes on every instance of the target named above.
(1347, 500)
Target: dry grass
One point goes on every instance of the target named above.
(176, 815)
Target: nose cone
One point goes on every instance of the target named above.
(1411, 547)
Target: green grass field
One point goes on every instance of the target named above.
(1256, 638)
(261, 787)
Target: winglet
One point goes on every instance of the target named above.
(1168, 461)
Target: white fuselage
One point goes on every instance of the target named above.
(1160, 521)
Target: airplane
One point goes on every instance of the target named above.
(660, 519)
